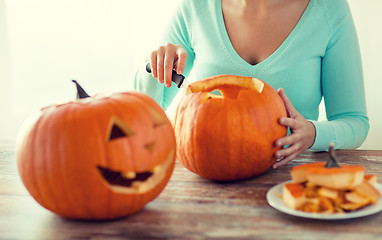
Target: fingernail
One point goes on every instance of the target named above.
(180, 72)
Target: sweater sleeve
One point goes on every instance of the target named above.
(342, 84)
(177, 32)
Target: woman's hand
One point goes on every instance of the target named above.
(302, 134)
(165, 59)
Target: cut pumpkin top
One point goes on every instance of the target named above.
(319, 168)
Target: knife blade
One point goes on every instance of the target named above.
(178, 79)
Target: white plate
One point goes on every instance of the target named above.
(274, 199)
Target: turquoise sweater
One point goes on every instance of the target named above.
(320, 59)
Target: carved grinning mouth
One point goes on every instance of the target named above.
(124, 179)
(136, 182)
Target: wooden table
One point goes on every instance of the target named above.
(190, 207)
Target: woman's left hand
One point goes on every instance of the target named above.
(302, 134)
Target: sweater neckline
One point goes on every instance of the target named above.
(231, 52)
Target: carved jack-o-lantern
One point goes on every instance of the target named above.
(100, 157)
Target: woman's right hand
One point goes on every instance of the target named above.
(165, 59)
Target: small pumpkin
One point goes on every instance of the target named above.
(99, 157)
(230, 136)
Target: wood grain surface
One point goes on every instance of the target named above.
(190, 207)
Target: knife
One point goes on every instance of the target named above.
(176, 78)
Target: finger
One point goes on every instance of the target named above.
(168, 66)
(286, 155)
(160, 63)
(292, 149)
(181, 63)
(153, 62)
(284, 161)
(289, 122)
(287, 140)
(280, 163)
(287, 103)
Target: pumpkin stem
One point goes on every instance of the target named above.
(333, 160)
(80, 91)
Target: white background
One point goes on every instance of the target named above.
(46, 43)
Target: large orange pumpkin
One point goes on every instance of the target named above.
(100, 157)
(228, 137)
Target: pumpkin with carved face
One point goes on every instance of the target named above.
(100, 157)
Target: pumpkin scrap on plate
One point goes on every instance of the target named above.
(330, 187)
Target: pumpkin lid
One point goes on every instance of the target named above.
(343, 169)
(308, 165)
(319, 168)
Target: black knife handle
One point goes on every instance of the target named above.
(176, 78)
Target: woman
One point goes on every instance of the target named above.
(307, 49)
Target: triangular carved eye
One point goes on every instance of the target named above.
(116, 132)
(118, 129)
(150, 147)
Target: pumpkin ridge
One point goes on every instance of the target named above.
(46, 169)
(192, 161)
(33, 180)
(108, 206)
(181, 151)
(98, 106)
(74, 115)
(179, 125)
(226, 124)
